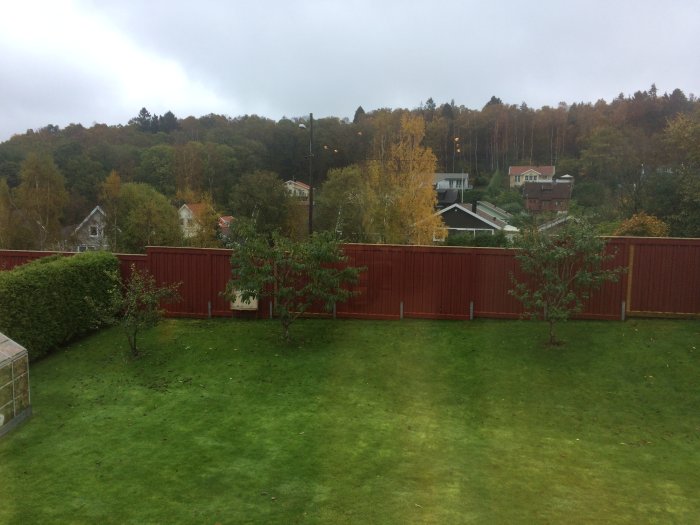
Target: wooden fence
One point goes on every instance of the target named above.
(662, 280)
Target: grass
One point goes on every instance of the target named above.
(363, 422)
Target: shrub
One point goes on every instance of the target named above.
(43, 303)
(136, 304)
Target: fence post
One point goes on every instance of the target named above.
(401, 310)
(209, 308)
(471, 310)
(622, 313)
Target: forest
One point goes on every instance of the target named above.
(638, 153)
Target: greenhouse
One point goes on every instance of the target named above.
(15, 404)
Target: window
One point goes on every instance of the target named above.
(94, 231)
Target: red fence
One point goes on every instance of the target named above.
(662, 279)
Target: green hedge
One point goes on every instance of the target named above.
(43, 304)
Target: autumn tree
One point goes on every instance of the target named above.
(206, 234)
(41, 195)
(403, 211)
(643, 225)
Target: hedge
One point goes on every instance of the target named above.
(44, 304)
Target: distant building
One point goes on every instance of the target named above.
(297, 189)
(224, 224)
(451, 181)
(519, 175)
(191, 217)
(547, 196)
(446, 198)
(90, 234)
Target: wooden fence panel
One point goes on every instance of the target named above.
(665, 275)
(492, 280)
(663, 279)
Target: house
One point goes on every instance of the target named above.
(451, 181)
(493, 212)
(297, 189)
(519, 175)
(224, 225)
(547, 196)
(447, 197)
(90, 234)
(463, 218)
(555, 224)
(191, 217)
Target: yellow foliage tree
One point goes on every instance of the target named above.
(643, 225)
(403, 208)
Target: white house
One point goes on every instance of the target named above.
(297, 189)
(191, 218)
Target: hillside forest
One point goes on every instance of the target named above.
(636, 154)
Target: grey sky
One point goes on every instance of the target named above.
(86, 61)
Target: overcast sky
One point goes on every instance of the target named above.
(88, 61)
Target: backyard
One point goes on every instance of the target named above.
(363, 422)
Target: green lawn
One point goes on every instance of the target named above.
(363, 422)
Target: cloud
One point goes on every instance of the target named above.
(90, 60)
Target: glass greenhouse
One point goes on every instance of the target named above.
(15, 404)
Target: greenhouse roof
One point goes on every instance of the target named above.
(9, 350)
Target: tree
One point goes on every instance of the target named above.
(110, 191)
(262, 197)
(41, 195)
(643, 225)
(143, 121)
(145, 218)
(359, 115)
(136, 304)
(403, 208)
(560, 272)
(157, 168)
(343, 200)
(294, 274)
(6, 226)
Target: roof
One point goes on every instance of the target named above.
(554, 222)
(447, 197)
(10, 350)
(446, 176)
(493, 209)
(97, 210)
(469, 212)
(545, 191)
(486, 215)
(298, 184)
(542, 170)
(197, 209)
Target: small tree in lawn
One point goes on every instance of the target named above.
(136, 304)
(295, 274)
(560, 272)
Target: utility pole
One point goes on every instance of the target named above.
(311, 173)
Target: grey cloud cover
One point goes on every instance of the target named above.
(100, 61)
